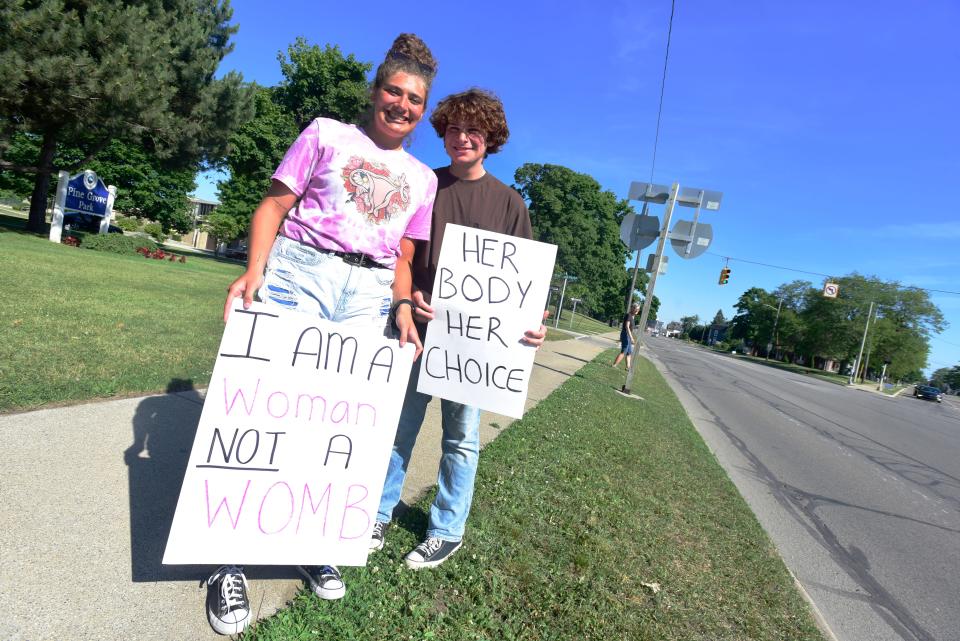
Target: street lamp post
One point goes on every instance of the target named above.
(883, 374)
(573, 312)
(563, 290)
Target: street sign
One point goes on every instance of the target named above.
(706, 198)
(831, 290)
(649, 192)
(690, 239)
(652, 258)
(638, 232)
(86, 193)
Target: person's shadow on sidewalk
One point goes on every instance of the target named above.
(163, 431)
(164, 428)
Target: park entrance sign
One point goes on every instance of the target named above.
(83, 193)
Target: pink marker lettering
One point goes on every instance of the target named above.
(264, 502)
(353, 506)
(224, 504)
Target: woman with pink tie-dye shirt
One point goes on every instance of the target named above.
(349, 204)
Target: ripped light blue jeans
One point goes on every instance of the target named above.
(460, 453)
(305, 279)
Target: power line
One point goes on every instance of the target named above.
(663, 84)
(803, 271)
(937, 338)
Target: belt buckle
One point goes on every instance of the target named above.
(352, 259)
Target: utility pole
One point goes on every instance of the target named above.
(856, 363)
(866, 361)
(774, 332)
(674, 190)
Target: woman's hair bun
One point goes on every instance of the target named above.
(410, 54)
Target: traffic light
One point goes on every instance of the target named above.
(724, 276)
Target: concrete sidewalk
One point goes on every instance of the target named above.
(89, 492)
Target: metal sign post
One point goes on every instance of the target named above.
(566, 277)
(638, 232)
(672, 201)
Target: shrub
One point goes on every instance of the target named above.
(118, 243)
(156, 231)
(128, 223)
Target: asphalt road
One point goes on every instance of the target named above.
(860, 492)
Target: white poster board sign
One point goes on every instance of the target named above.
(490, 288)
(293, 443)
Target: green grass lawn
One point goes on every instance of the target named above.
(595, 517)
(579, 323)
(79, 324)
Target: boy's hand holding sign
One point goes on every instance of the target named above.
(490, 288)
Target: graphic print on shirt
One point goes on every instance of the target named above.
(376, 193)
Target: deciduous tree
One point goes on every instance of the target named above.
(317, 83)
(570, 210)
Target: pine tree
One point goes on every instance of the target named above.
(90, 72)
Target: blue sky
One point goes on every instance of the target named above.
(830, 127)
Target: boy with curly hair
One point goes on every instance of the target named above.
(473, 126)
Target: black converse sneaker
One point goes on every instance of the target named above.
(378, 535)
(324, 580)
(228, 609)
(431, 553)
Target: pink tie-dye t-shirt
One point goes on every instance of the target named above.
(354, 196)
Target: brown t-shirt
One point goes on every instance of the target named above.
(485, 203)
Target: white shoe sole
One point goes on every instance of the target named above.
(222, 627)
(413, 564)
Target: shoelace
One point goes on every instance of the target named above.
(329, 572)
(231, 589)
(431, 545)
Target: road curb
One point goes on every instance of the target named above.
(817, 615)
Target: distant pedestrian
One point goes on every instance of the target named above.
(627, 339)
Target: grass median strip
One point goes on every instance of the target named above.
(79, 324)
(595, 517)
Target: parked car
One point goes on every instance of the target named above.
(927, 392)
(87, 223)
(240, 253)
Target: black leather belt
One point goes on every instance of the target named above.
(355, 258)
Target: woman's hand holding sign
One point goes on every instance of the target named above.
(403, 319)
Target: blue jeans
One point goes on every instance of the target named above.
(460, 453)
(305, 279)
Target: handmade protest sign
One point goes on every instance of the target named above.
(490, 288)
(293, 442)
